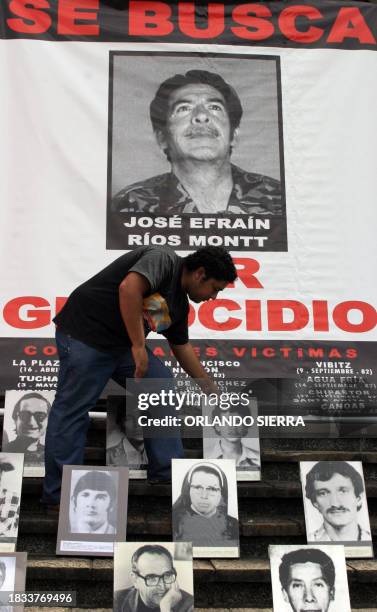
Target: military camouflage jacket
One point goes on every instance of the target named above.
(252, 194)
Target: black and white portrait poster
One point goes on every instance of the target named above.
(235, 435)
(124, 439)
(25, 423)
(205, 506)
(155, 198)
(309, 578)
(250, 129)
(335, 503)
(93, 510)
(11, 470)
(156, 575)
(12, 578)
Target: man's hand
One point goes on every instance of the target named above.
(171, 598)
(140, 356)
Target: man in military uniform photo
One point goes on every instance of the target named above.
(196, 121)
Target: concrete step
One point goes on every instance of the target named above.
(96, 455)
(205, 570)
(295, 456)
(97, 430)
(252, 546)
(279, 488)
(255, 546)
(159, 522)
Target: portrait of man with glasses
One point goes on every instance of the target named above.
(25, 426)
(155, 581)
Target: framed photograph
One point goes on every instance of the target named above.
(124, 438)
(11, 469)
(93, 510)
(309, 578)
(205, 506)
(153, 575)
(335, 504)
(174, 116)
(25, 422)
(12, 578)
(234, 435)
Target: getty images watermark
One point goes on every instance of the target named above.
(167, 404)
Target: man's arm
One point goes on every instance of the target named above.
(132, 290)
(187, 358)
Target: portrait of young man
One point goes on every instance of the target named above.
(25, 423)
(155, 576)
(233, 439)
(309, 579)
(210, 139)
(93, 510)
(335, 504)
(93, 503)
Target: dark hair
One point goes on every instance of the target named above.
(243, 411)
(183, 502)
(17, 406)
(5, 466)
(96, 481)
(324, 470)
(307, 555)
(120, 418)
(216, 262)
(159, 106)
(151, 549)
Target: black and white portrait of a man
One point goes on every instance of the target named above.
(309, 578)
(124, 439)
(196, 119)
(153, 576)
(192, 136)
(25, 423)
(93, 509)
(93, 502)
(336, 506)
(233, 437)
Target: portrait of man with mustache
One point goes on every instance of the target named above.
(196, 120)
(336, 490)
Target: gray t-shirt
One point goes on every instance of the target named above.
(92, 313)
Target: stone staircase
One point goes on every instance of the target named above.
(271, 512)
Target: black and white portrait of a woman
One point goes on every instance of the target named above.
(205, 509)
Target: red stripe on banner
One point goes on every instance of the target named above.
(313, 24)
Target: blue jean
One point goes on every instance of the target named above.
(83, 374)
